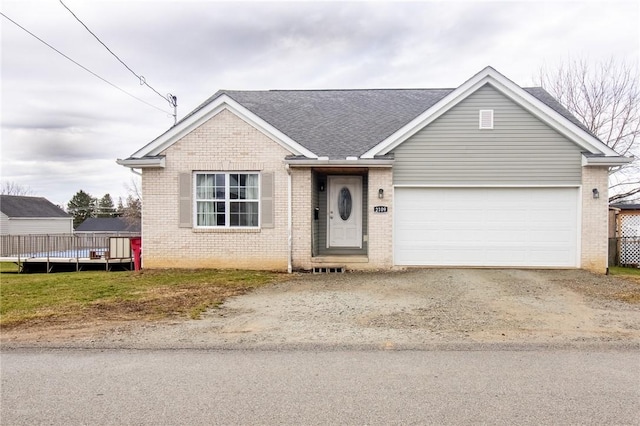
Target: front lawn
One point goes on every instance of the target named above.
(98, 295)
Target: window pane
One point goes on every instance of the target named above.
(201, 183)
(252, 180)
(251, 187)
(233, 193)
(210, 213)
(218, 190)
(206, 214)
(207, 187)
(252, 193)
(243, 214)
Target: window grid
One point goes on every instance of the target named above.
(229, 200)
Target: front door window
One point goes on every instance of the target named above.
(344, 203)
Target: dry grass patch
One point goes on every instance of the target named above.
(622, 285)
(631, 294)
(76, 297)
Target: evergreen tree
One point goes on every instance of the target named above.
(82, 206)
(120, 208)
(106, 207)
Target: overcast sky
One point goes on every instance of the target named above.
(63, 128)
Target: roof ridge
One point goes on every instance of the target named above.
(335, 90)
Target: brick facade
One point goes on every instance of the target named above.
(594, 242)
(380, 224)
(210, 148)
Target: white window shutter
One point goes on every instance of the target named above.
(486, 119)
(267, 206)
(184, 200)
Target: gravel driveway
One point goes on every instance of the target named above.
(410, 309)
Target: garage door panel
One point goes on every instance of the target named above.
(486, 226)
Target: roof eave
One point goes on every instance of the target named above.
(40, 217)
(142, 163)
(325, 162)
(602, 160)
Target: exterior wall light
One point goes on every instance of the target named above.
(381, 193)
(596, 193)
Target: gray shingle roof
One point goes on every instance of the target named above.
(341, 123)
(22, 206)
(109, 224)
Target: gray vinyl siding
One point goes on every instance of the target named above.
(4, 224)
(519, 150)
(37, 226)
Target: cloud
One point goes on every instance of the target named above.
(62, 128)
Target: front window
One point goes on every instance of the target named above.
(227, 199)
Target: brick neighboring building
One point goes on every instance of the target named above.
(488, 174)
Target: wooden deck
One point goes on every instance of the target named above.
(67, 253)
(54, 264)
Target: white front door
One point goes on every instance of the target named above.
(344, 223)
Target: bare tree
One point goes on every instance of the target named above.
(14, 188)
(605, 97)
(131, 209)
(133, 188)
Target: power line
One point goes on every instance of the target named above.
(82, 66)
(169, 98)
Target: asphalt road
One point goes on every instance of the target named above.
(171, 387)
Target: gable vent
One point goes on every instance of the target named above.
(486, 119)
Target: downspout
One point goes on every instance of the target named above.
(139, 173)
(289, 222)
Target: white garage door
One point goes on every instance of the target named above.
(486, 226)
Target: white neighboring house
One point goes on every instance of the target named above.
(32, 215)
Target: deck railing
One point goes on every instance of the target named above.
(71, 246)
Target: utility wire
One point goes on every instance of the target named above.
(82, 66)
(169, 98)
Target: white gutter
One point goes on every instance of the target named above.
(289, 222)
(610, 161)
(340, 163)
(140, 163)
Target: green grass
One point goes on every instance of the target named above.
(98, 295)
(620, 271)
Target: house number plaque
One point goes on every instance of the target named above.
(380, 209)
